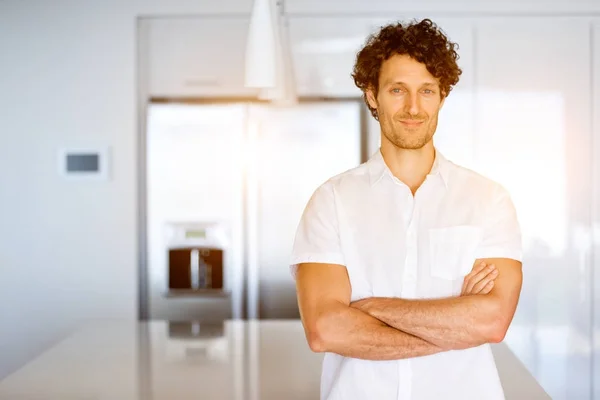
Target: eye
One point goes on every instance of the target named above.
(396, 90)
(428, 91)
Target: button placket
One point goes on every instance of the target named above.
(409, 281)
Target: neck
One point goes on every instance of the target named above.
(409, 166)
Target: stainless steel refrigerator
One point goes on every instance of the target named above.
(235, 177)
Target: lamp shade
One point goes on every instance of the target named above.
(261, 47)
(269, 64)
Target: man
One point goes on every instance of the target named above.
(383, 251)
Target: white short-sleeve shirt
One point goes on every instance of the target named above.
(394, 244)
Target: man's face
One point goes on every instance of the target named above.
(408, 102)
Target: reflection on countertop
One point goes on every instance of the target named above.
(234, 360)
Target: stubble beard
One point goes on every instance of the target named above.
(409, 138)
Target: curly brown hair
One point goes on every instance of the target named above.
(423, 41)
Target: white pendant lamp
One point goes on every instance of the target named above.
(260, 48)
(268, 57)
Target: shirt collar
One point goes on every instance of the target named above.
(378, 168)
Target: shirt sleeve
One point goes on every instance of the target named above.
(317, 238)
(501, 229)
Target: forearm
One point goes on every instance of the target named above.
(352, 333)
(453, 323)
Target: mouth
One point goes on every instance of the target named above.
(412, 123)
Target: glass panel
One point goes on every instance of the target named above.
(195, 170)
(533, 136)
(298, 149)
(596, 206)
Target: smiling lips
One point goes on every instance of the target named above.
(412, 122)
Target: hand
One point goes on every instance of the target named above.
(480, 280)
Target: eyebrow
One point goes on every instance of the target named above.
(404, 83)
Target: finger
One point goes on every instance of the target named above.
(487, 288)
(477, 268)
(490, 271)
(479, 276)
(482, 284)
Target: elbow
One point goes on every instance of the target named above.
(315, 341)
(319, 333)
(497, 333)
(496, 326)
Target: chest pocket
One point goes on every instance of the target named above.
(451, 257)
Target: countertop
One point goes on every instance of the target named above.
(235, 360)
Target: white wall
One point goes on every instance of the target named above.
(437, 7)
(595, 101)
(68, 251)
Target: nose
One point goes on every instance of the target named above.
(413, 105)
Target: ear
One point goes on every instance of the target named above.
(371, 98)
(442, 102)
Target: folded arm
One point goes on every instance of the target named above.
(455, 323)
(331, 325)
